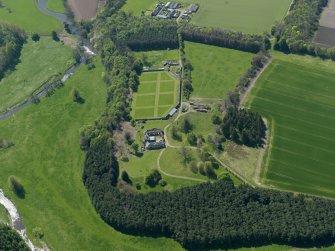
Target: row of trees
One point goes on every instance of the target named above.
(11, 41)
(224, 38)
(295, 33)
(11, 240)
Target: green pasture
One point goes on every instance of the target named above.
(56, 6)
(39, 61)
(248, 16)
(26, 15)
(296, 98)
(4, 216)
(216, 70)
(156, 96)
(48, 160)
(156, 58)
(137, 6)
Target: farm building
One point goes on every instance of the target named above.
(193, 8)
(172, 112)
(154, 139)
(172, 5)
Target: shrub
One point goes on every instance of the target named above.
(153, 178)
(125, 177)
(192, 139)
(35, 37)
(54, 36)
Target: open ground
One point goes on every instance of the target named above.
(156, 96)
(294, 96)
(216, 70)
(26, 15)
(34, 69)
(56, 200)
(325, 36)
(84, 9)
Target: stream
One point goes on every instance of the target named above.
(16, 220)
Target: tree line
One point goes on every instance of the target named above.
(11, 240)
(223, 38)
(11, 42)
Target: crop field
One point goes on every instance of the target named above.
(34, 69)
(216, 70)
(26, 15)
(156, 96)
(46, 138)
(249, 16)
(56, 6)
(297, 100)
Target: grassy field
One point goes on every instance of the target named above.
(155, 59)
(156, 96)
(26, 15)
(34, 69)
(249, 16)
(216, 70)
(137, 6)
(56, 6)
(4, 217)
(48, 160)
(295, 96)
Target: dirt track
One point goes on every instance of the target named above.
(84, 9)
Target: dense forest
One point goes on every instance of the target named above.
(11, 240)
(295, 33)
(224, 38)
(205, 216)
(11, 41)
(244, 126)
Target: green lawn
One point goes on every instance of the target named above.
(296, 98)
(216, 70)
(26, 15)
(4, 217)
(56, 6)
(39, 61)
(249, 16)
(156, 96)
(155, 59)
(137, 6)
(48, 160)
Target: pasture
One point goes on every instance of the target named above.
(295, 95)
(48, 160)
(156, 96)
(56, 6)
(39, 61)
(26, 15)
(248, 16)
(156, 59)
(216, 70)
(137, 6)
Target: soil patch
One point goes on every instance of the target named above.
(325, 37)
(84, 9)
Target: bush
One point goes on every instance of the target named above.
(125, 177)
(16, 186)
(186, 126)
(76, 96)
(162, 183)
(192, 139)
(54, 36)
(153, 178)
(175, 135)
(193, 167)
(35, 37)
